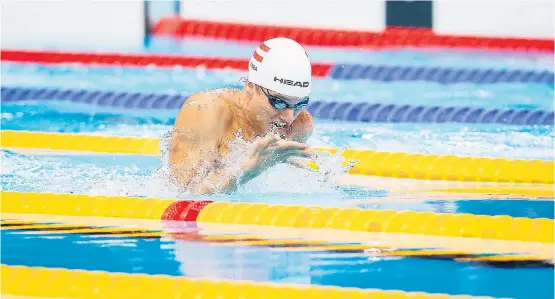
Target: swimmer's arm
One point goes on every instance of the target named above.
(192, 145)
(212, 181)
(303, 128)
(224, 181)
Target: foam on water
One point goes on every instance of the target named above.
(282, 181)
(61, 175)
(122, 177)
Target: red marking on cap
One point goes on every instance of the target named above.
(257, 57)
(184, 210)
(264, 48)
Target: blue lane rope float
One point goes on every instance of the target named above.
(375, 112)
(437, 74)
(343, 111)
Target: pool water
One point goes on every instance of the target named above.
(527, 142)
(188, 81)
(141, 176)
(133, 175)
(191, 252)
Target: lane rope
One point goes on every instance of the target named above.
(376, 73)
(442, 75)
(366, 162)
(80, 142)
(81, 284)
(390, 38)
(342, 111)
(291, 216)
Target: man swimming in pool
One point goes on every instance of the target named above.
(267, 115)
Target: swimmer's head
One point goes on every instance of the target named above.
(282, 66)
(280, 78)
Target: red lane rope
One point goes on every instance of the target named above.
(59, 57)
(392, 37)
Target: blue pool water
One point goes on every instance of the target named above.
(194, 257)
(198, 259)
(189, 81)
(140, 176)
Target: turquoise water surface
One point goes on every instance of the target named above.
(188, 81)
(354, 268)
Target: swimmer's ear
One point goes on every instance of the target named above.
(251, 88)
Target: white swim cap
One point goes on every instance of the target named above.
(281, 65)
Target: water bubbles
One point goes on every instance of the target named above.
(288, 179)
(6, 116)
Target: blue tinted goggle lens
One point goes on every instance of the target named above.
(281, 104)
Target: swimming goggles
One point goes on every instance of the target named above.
(281, 104)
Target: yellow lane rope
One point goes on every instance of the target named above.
(80, 284)
(80, 142)
(83, 205)
(313, 217)
(368, 162)
(381, 221)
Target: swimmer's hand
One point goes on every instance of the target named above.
(306, 165)
(272, 150)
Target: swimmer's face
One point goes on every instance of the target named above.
(276, 111)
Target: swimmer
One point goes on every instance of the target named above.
(268, 113)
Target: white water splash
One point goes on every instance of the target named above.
(140, 176)
(281, 179)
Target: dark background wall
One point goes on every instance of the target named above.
(408, 13)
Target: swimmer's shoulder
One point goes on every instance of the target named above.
(206, 109)
(209, 99)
